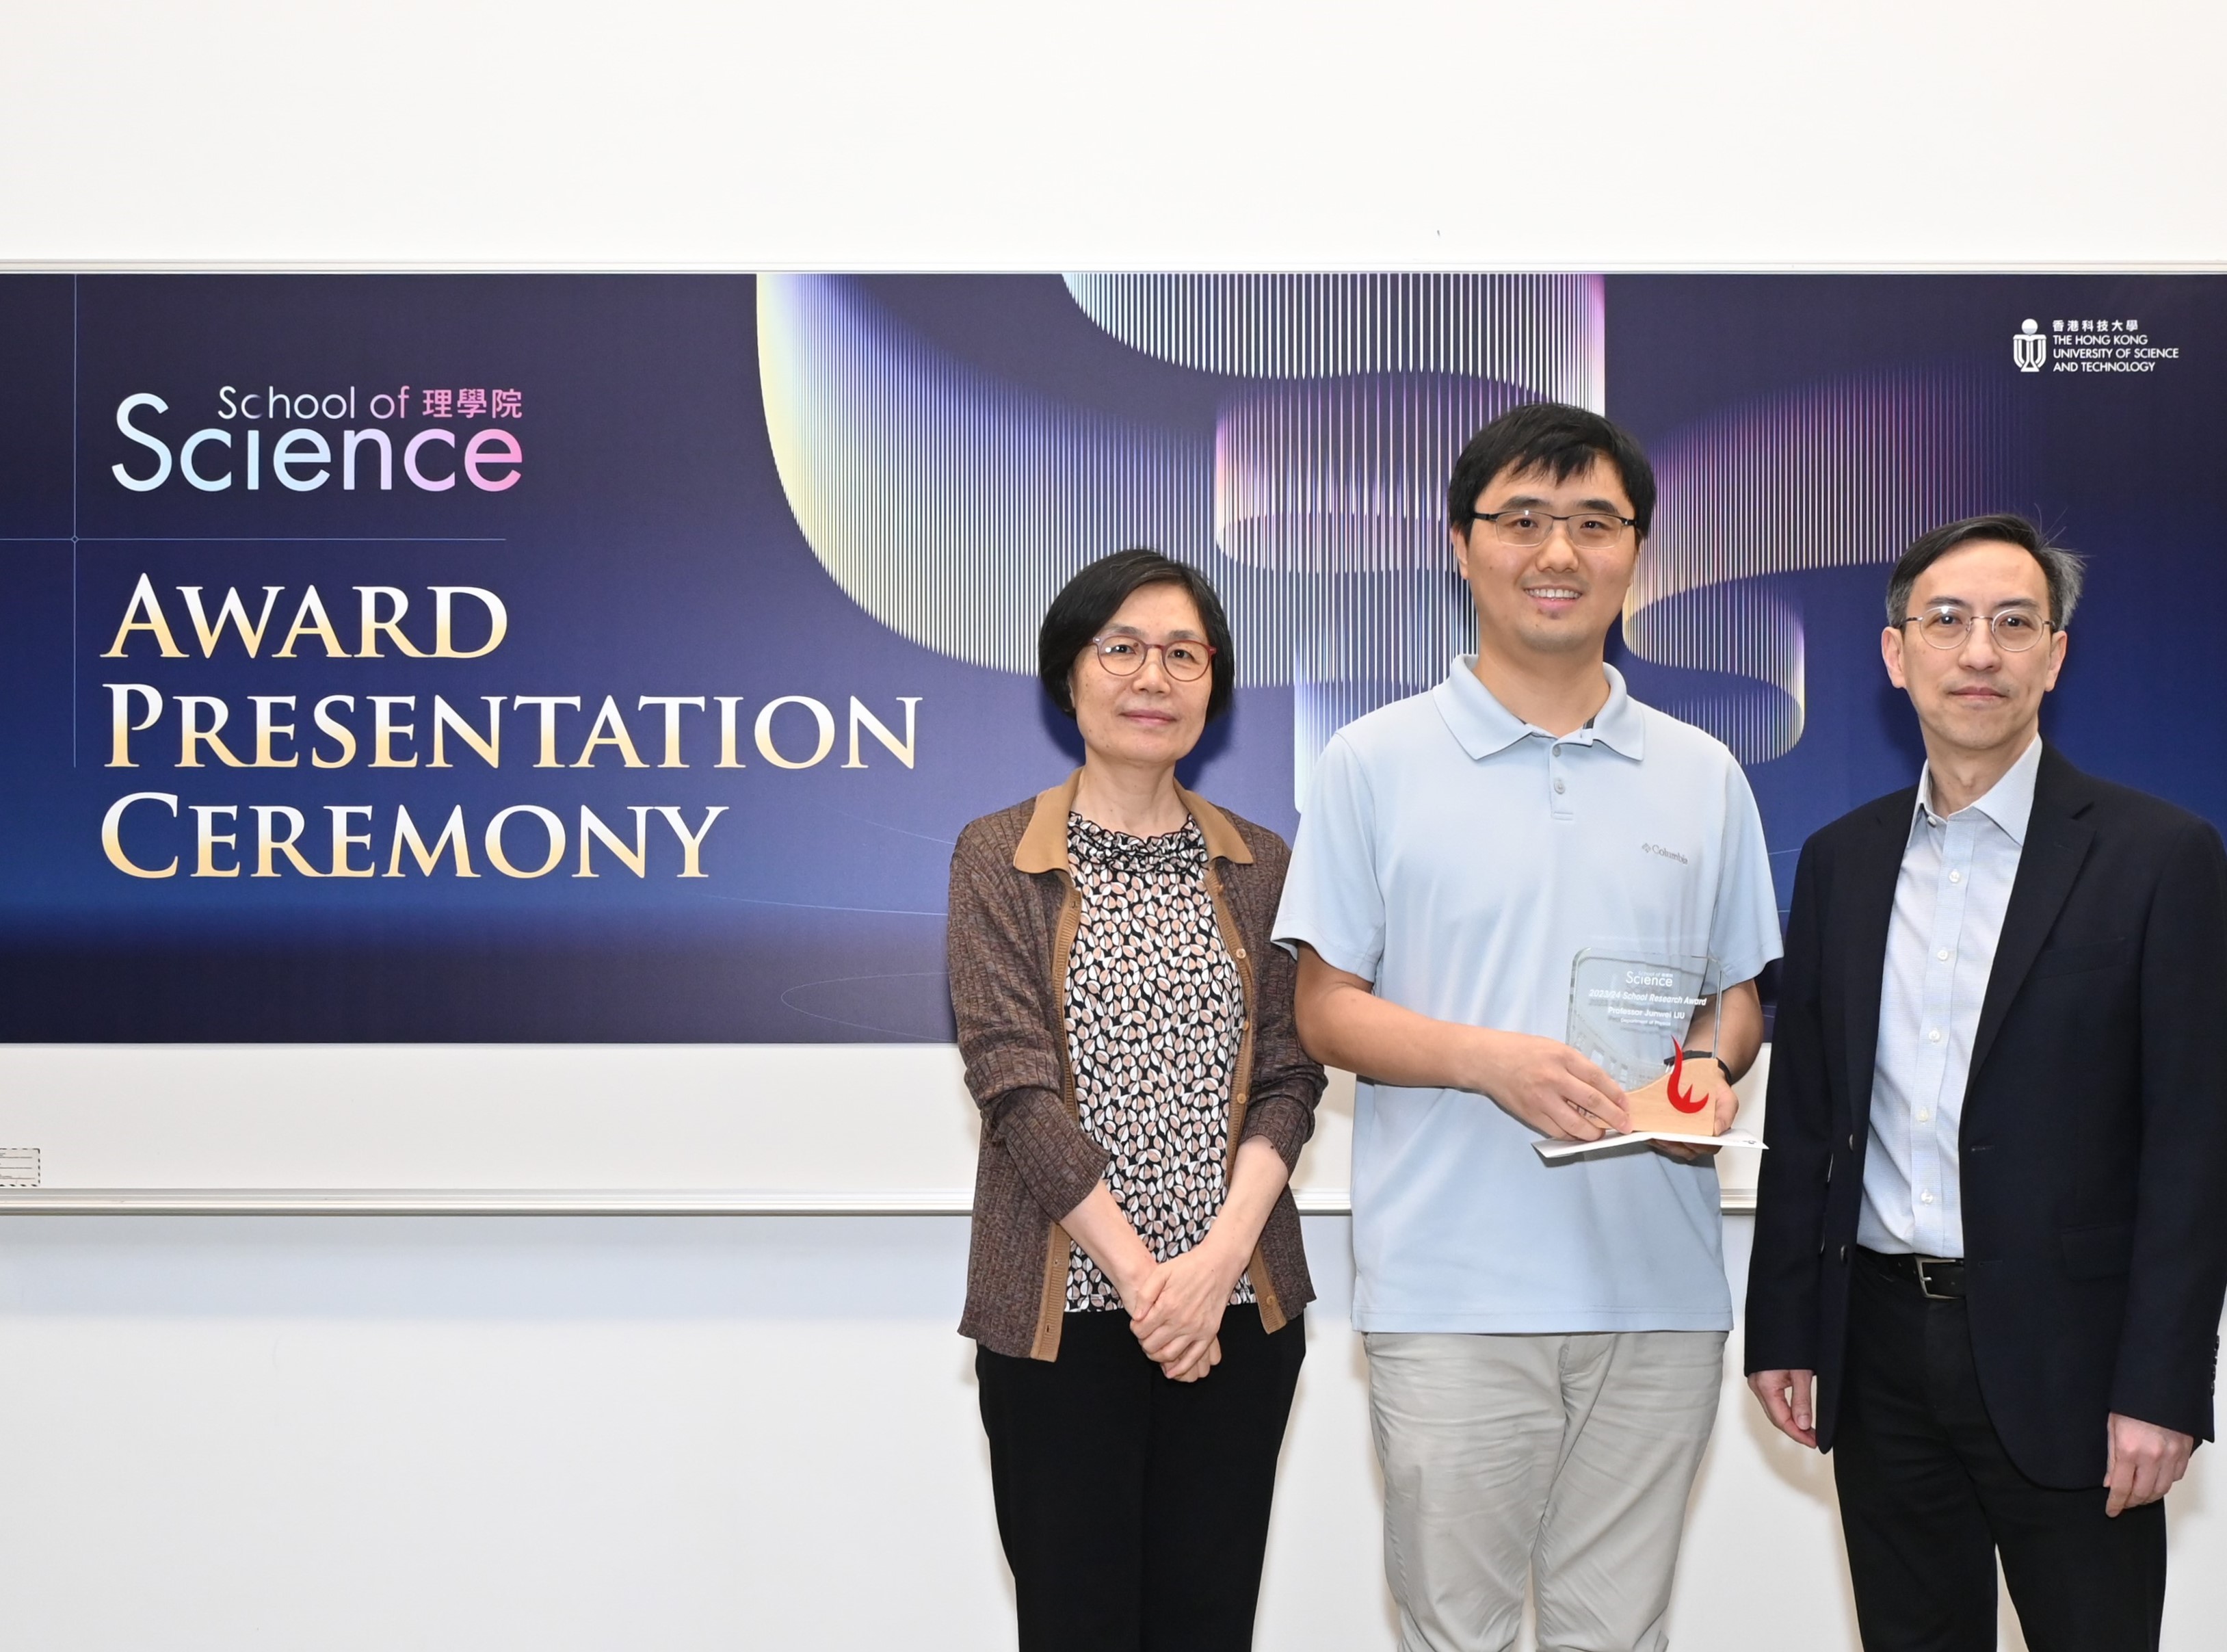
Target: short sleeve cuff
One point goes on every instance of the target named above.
(1353, 961)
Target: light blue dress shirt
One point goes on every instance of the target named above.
(1460, 858)
(1949, 904)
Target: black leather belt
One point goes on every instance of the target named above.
(1941, 1278)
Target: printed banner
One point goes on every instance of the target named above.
(615, 658)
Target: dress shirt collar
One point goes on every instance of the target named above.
(2008, 802)
(1483, 725)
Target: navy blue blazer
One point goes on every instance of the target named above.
(2093, 1144)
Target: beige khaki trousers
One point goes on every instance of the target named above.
(1561, 1460)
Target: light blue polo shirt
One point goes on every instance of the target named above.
(1461, 858)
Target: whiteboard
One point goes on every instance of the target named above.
(843, 1129)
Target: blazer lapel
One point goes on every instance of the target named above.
(2056, 843)
(1874, 867)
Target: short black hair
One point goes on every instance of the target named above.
(1557, 438)
(2064, 572)
(1094, 596)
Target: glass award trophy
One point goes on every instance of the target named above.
(1634, 1014)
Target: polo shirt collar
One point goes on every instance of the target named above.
(2008, 802)
(1483, 726)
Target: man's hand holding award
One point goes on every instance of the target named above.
(1650, 1022)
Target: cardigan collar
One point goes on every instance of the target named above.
(1042, 847)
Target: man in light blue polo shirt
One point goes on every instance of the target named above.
(1545, 1340)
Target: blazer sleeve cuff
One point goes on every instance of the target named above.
(1779, 1342)
(1764, 1357)
(1058, 1164)
(2188, 1411)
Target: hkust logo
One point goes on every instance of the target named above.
(317, 437)
(2117, 344)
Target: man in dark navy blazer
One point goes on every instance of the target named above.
(1991, 1235)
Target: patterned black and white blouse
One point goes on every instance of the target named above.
(1155, 1011)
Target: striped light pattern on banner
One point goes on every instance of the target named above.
(1342, 483)
(1346, 475)
(1377, 639)
(1738, 630)
(951, 505)
(1841, 475)
(1541, 332)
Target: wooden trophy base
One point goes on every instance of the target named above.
(1680, 1102)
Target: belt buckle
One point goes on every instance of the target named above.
(1925, 1285)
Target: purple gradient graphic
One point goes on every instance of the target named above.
(1837, 475)
(818, 491)
(951, 502)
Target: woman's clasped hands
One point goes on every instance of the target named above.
(1176, 1308)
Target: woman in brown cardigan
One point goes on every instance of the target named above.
(1136, 1275)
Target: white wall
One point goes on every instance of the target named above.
(556, 1432)
(910, 134)
(452, 1433)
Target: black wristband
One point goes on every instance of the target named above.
(1721, 1066)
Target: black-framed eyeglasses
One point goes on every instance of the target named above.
(2014, 630)
(1183, 660)
(1526, 529)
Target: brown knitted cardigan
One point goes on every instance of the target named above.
(1014, 912)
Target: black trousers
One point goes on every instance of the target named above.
(1929, 1498)
(1135, 1510)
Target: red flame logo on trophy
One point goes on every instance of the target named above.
(1645, 1018)
(1675, 1101)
